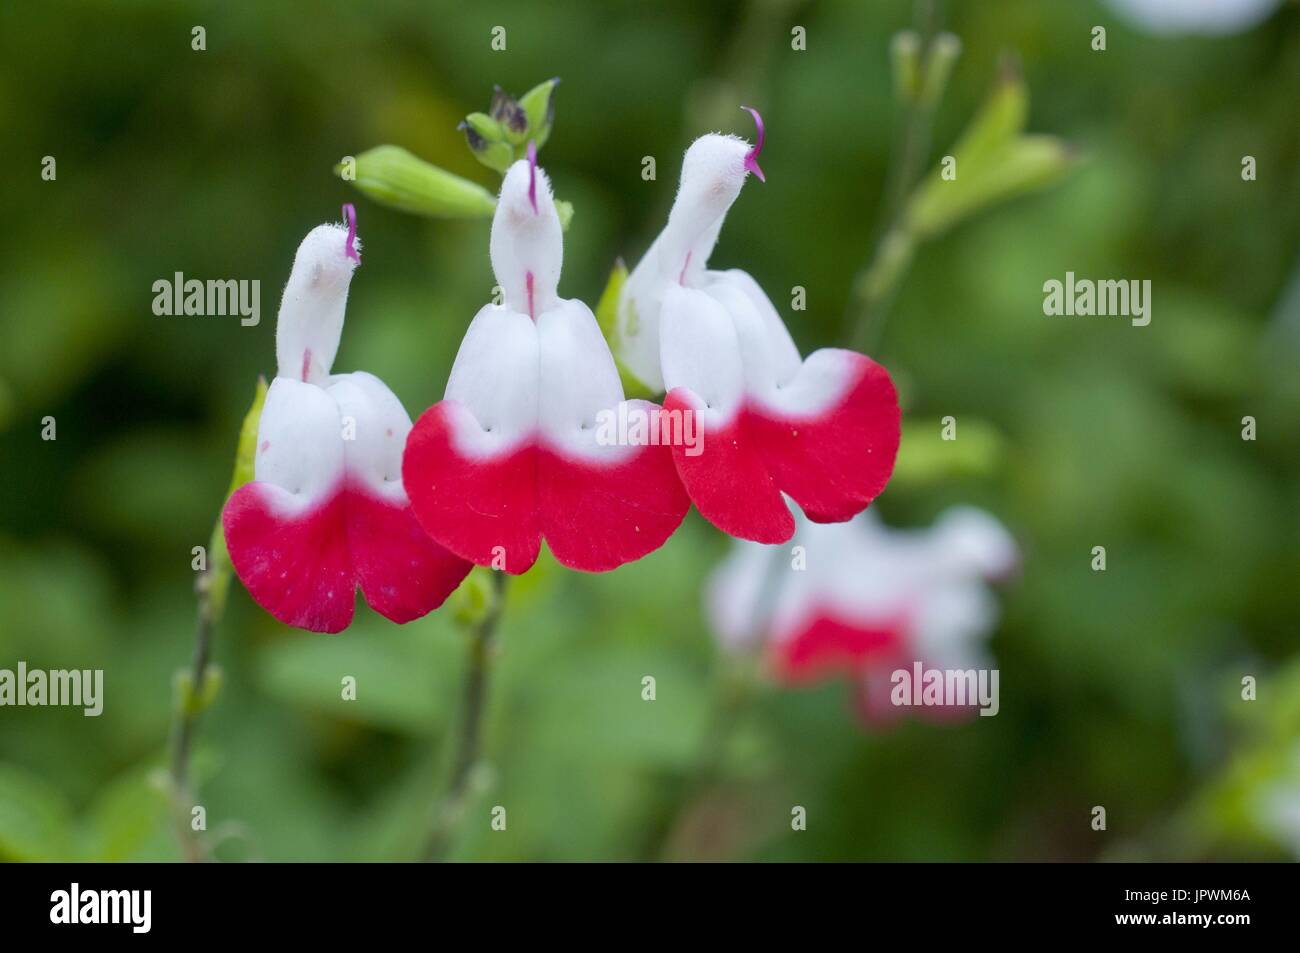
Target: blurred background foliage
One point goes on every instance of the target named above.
(1119, 688)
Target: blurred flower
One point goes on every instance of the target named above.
(861, 600)
(512, 453)
(824, 431)
(1279, 808)
(1196, 16)
(327, 512)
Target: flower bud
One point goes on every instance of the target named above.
(394, 177)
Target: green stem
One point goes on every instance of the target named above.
(473, 707)
(183, 728)
(877, 281)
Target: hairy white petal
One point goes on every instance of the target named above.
(713, 171)
(311, 311)
(527, 240)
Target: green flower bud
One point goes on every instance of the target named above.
(939, 59)
(486, 139)
(482, 130)
(394, 177)
(905, 57)
(507, 111)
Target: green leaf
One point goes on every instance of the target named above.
(217, 578)
(995, 161)
(394, 177)
(130, 813)
(607, 318)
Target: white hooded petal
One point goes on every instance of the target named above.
(527, 244)
(311, 311)
(373, 426)
(713, 172)
(299, 443)
(495, 378)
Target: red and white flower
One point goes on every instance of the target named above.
(823, 430)
(511, 454)
(861, 600)
(327, 512)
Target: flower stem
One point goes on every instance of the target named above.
(874, 287)
(473, 706)
(186, 718)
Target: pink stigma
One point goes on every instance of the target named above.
(528, 280)
(350, 213)
(751, 157)
(306, 363)
(532, 174)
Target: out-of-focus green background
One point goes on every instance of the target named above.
(1119, 689)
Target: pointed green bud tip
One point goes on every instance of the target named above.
(939, 59)
(905, 56)
(507, 111)
(539, 107)
(394, 177)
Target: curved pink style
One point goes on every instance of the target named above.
(350, 249)
(751, 158)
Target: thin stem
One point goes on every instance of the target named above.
(876, 282)
(186, 719)
(473, 706)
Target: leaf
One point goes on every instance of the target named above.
(130, 813)
(219, 568)
(607, 319)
